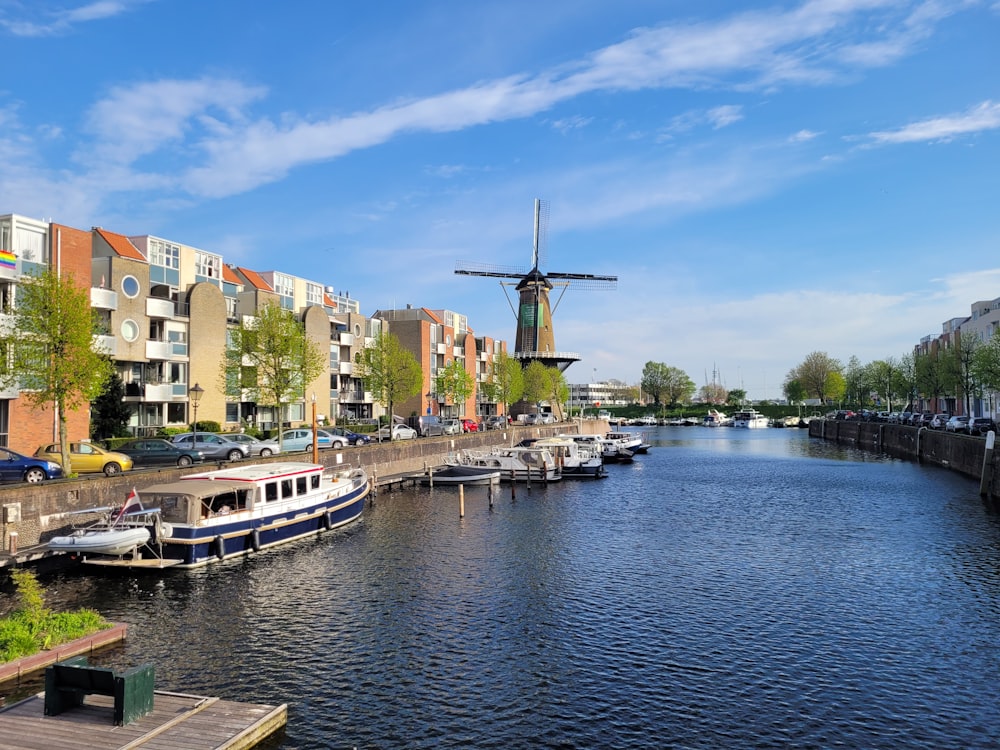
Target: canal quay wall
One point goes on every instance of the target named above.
(33, 513)
(965, 454)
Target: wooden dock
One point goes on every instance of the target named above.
(177, 722)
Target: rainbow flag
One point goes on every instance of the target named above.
(7, 259)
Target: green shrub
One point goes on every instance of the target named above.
(31, 627)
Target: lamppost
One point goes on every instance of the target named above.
(195, 393)
(315, 441)
(428, 396)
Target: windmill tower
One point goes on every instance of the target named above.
(535, 339)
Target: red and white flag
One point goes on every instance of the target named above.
(132, 503)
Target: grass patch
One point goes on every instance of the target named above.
(32, 627)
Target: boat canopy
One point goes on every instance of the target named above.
(192, 500)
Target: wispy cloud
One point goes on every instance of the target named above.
(61, 21)
(982, 117)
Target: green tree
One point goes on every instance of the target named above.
(987, 364)
(858, 389)
(655, 380)
(736, 397)
(536, 382)
(558, 391)
(836, 386)
(49, 345)
(679, 387)
(454, 383)
(270, 360)
(109, 414)
(505, 383)
(814, 374)
(931, 374)
(884, 378)
(390, 372)
(963, 370)
(793, 390)
(713, 393)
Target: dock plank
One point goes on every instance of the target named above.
(178, 722)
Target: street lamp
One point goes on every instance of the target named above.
(195, 393)
(315, 442)
(428, 396)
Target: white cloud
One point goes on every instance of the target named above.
(984, 116)
(62, 21)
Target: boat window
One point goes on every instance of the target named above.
(286, 488)
(270, 491)
(301, 486)
(314, 481)
(173, 508)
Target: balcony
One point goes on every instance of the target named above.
(158, 350)
(103, 299)
(346, 368)
(439, 349)
(158, 392)
(158, 308)
(344, 339)
(106, 345)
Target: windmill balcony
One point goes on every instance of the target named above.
(103, 299)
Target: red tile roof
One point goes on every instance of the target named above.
(120, 244)
(255, 279)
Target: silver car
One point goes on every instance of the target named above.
(213, 447)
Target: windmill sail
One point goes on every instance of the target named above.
(535, 337)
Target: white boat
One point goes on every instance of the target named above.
(750, 418)
(716, 418)
(518, 464)
(612, 451)
(633, 441)
(574, 459)
(100, 541)
(461, 474)
(217, 515)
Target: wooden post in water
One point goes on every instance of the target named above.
(489, 493)
(987, 475)
(430, 475)
(461, 501)
(513, 484)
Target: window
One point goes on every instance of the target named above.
(130, 330)
(130, 287)
(300, 485)
(314, 294)
(207, 267)
(270, 491)
(286, 489)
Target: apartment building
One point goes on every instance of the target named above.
(436, 338)
(28, 246)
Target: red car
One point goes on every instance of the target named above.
(470, 425)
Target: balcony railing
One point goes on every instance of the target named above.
(106, 345)
(103, 299)
(160, 308)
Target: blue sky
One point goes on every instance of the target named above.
(766, 179)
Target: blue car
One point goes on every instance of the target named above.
(17, 468)
(352, 438)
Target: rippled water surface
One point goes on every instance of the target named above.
(732, 588)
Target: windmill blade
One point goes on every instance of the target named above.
(540, 243)
(463, 268)
(586, 280)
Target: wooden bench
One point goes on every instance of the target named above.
(68, 682)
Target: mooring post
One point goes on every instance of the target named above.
(987, 475)
(461, 501)
(513, 484)
(430, 475)
(489, 493)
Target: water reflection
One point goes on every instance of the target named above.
(733, 588)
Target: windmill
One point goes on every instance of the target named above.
(535, 339)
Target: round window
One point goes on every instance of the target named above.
(130, 330)
(357, 329)
(130, 286)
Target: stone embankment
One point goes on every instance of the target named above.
(965, 454)
(31, 514)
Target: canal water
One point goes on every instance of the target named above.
(731, 589)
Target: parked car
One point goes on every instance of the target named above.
(546, 418)
(531, 418)
(980, 426)
(301, 439)
(496, 422)
(399, 432)
(352, 438)
(16, 467)
(212, 447)
(428, 425)
(938, 421)
(470, 425)
(956, 424)
(87, 458)
(156, 452)
(253, 445)
(451, 426)
(923, 419)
